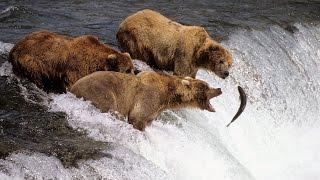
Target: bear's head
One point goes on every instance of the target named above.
(196, 93)
(214, 57)
(120, 62)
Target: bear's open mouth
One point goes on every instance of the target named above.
(208, 106)
(205, 102)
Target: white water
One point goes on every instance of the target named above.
(277, 136)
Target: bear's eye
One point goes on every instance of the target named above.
(221, 62)
(213, 48)
(128, 71)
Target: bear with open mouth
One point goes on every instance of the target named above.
(144, 96)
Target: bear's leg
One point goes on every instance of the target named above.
(106, 102)
(149, 121)
(182, 67)
(138, 116)
(138, 123)
(38, 81)
(145, 108)
(72, 78)
(141, 120)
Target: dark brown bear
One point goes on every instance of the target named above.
(165, 44)
(55, 62)
(143, 97)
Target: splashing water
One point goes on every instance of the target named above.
(276, 137)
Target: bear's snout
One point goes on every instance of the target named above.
(218, 91)
(225, 74)
(213, 92)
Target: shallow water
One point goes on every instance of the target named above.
(276, 50)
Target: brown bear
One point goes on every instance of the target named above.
(143, 97)
(165, 44)
(55, 62)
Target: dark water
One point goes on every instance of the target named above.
(26, 125)
(102, 17)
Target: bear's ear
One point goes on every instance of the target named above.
(188, 78)
(127, 54)
(209, 46)
(112, 56)
(111, 62)
(93, 39)
(185, 82)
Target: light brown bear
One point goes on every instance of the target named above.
(143, 97)
(165, 44)
(55, 62)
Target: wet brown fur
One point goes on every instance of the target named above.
(143, 97)
(165, 44)
(55, 62)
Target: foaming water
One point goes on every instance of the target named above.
(121, 164)
(276, 137)
(183, 152)
(5, 47)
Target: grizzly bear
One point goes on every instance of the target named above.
(55, 62)
(143, 97)
(164, 44)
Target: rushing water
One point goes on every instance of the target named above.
(276, 50)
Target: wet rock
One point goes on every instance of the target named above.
(28, 126)
(291, 28)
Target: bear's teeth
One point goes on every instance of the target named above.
(210, 107)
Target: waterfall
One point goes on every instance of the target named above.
(276, 137)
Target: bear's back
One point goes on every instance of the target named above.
(86, 41)
(151, 21)
(40, 45)
(108, 90)
(158, 80)
(102, 81)
(159, 41)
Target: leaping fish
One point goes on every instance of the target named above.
(243, 99)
